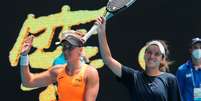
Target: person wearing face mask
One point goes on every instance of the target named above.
(153, 84)
(189, 74)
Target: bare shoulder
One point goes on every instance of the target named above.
(55, 70)
(90, 70)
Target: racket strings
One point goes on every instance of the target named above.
(114, 5)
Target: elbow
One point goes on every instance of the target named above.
(106, 58)
(107, 61)
(27, 83)
(27, 80)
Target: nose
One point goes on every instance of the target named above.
(152, 56)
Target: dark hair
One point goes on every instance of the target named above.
(196, 40)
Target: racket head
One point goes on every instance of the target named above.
(115, 5)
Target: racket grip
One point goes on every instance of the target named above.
(107, 16)
(90, 32)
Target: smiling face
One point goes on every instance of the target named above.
(153, 57)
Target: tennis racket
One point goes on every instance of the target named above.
(113, 7)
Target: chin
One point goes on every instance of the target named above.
(150, 65)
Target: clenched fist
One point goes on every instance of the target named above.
(27, 45)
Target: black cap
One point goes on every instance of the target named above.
(196, 40)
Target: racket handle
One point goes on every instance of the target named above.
(90, 32)
(107, 16)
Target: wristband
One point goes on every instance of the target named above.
(24, 60)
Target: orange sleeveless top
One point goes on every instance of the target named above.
(71, 88)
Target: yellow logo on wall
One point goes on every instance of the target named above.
(44, 29)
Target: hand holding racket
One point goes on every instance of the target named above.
(113, 7)
(101, 23)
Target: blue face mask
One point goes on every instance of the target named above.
(196, 53)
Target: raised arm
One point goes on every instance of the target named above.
(113, 64)
(29, 79)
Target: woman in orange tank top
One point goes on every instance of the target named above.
(71, 87)
(76, 81)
